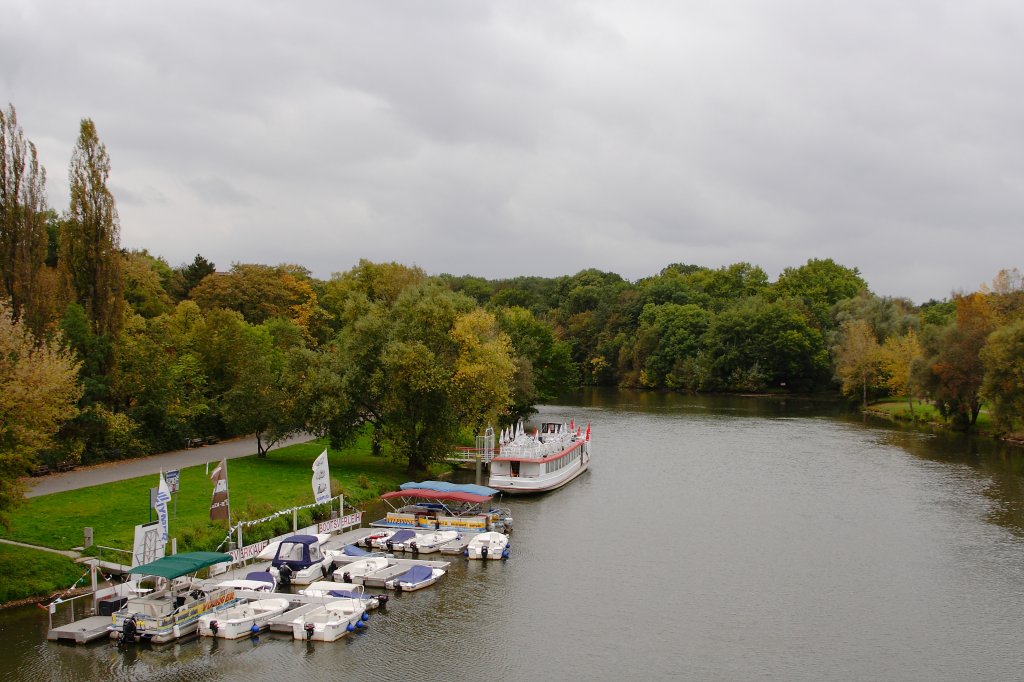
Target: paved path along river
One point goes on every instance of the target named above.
(109, 472)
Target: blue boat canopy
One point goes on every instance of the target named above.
(261, 576)
(446, 487)
(401, 536)
(416, 574)
(350, 594)
(298, 551)
(352, 550)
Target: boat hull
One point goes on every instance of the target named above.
(520, 485)
(328, 623)
(239, 621)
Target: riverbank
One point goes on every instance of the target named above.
(258, 487)
(927, 416)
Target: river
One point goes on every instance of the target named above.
(712, 539)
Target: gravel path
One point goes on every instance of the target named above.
(108, 472)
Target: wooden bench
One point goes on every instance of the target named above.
(40, 470)
(194, 443)
(210, 440)
(65, 466)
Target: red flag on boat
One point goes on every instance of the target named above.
(588, 431)
(572, 425)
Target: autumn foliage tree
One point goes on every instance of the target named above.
(957, 367)
(857, 358)
(39, 391)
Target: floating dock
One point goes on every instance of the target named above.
(81, 631)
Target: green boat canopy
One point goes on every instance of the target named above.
(181, 564)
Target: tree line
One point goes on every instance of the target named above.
(110, 353)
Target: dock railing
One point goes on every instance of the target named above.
(483, 452)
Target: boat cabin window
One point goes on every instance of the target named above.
(314, 553)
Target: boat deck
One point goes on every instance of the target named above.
(81, 631)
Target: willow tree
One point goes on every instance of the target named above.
(90, 243)
(23, 214)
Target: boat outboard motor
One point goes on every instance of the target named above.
(483, 552)
(390, 545)
(128, 629)
(309, 630)
(346, 577)
(414, 547)
(368, 541)
(214, 626)
(285, 571)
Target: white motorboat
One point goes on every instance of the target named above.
(328, 588)
(554, 455)
(416, 578)
(242, 620)
(395, 541)
(357, 570)
(427, 543)
(172, 607)
(331, 621)
(254, 581)
(488, 545)
(299, 560)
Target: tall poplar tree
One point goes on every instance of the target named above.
(23, 238)
(90, 244)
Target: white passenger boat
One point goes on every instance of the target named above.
(172, 607)
(554, 455)
(416, 578)
(488, 546)
(428, 543)
(330, 621)
(299, 560)
(242, 619)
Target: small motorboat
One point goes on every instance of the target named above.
(427, 543)
(328, 588)
(242, 620)
(357, 570)
(396, 541)
(416, 578)
(300, 560)
(331, 621)
(254, 581)
(490, 545)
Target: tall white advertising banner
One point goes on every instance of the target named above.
(163, 496)
(321, 478)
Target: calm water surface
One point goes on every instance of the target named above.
(713, 539)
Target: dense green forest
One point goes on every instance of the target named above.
(109, 353)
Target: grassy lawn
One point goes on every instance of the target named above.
(924, 412)
(30, 572)
(258, 487)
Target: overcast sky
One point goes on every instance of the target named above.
(541, 138)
